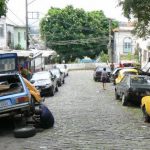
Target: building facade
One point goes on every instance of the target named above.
(11, 35)
(124, 42)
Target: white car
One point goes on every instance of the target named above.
(63, 68)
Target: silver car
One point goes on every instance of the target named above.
(45, 82)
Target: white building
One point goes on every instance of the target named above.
(144, 50)
(11, 35)
(124, 42)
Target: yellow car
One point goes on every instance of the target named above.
(123, 72)
(145, 106)
(35, 94)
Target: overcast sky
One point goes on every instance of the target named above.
(16, 8)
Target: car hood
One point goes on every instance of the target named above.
(41, 82)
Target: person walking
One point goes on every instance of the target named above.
(104, 78)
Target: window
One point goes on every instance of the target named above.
(1, 30)
(18, 37)
(127, 45)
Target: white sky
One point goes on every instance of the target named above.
(17, 7)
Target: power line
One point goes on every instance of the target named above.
(16, 16)
(12, 21)
(31, 2)
(70, 42)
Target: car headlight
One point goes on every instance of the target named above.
(48, 85)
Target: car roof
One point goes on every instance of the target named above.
(41, 72)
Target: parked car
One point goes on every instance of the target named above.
(123, 72)
(59, 75)
(97, 73)
(45, 83)
(146, 69)
(132, 88)
(145, 106)
(114, 74)
(63, 68)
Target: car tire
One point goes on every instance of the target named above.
(145, 115)
(52, 91)
(95, 79)
(32, 103)
(116, 95)
(56, 89)
(25, 132)
(59, 84)
(124, 100)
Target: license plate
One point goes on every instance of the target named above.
(5, 104)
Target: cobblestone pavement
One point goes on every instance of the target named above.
(86, 118)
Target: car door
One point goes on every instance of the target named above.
(124, 85)
(53, 79)
(121, 86)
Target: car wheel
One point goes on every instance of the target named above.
(56, 89)
(32, 103)
(95, 79)
(124, 100)
(145, 115)
(116, 95)
(52, 91)
(24, 132)
(59, 83)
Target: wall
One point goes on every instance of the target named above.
(3, 40)
(119, 43)
(22, 37)
(79, 66)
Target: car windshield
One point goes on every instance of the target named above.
(10, 84)
(55, 71)
(41, 76)
(140, 80)
(101, 69)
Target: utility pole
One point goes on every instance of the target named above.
(27, 30)
(110, 52)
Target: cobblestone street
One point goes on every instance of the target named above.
(86, 118)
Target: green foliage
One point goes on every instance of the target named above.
(139, 9)
(18, 47)
(3, 7)
(74, 33)
(131, 57)
(103, 57)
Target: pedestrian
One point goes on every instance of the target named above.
(46, 117)
(104, 78)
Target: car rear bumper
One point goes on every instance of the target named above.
(14, 109)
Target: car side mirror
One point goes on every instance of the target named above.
(116, 76)
(53, 77)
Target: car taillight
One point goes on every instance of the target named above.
(22, 99)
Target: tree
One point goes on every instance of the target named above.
(3, 7)
(139, 9)
(74, 33)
